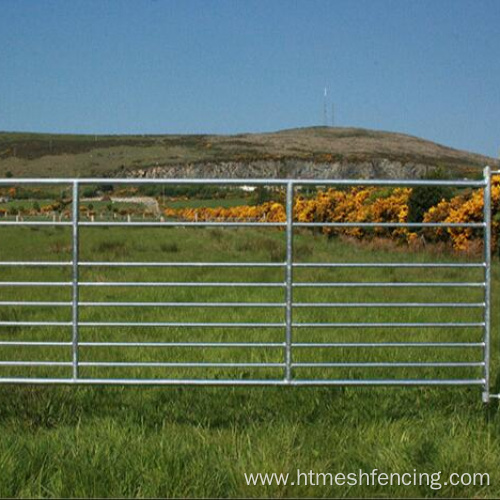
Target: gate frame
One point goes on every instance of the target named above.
(289, 284)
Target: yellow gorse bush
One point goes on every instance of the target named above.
(368, 204)
(465, 208)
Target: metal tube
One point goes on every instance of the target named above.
(185, 344)
(181, 304)
(36, 283)
(388, 325)
(33, 223)
(11, 303)
(389, 285)
(35, 363)
(251, 182)
(417, 265)
(75, 298)
(181, 224)
(289, 281)
(458, 265)
(33, 343)
(178, 325)
(299, 345)
(36, 264)
(317, 345)
(179, 284)
(182, 264)
(391, 304)
(391, 224)
(36, 323)
(155, 364)
(386, 182)
(487, 280)
(411, 265)
(392, 364)
(244, 382)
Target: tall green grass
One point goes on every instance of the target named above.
(199, 441)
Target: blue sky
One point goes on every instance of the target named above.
(426, 68)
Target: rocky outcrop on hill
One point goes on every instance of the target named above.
(379, 168)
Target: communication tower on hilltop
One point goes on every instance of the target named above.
(325, 108)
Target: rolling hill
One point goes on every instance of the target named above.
(318, 152)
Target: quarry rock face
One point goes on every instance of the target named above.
(294, 169)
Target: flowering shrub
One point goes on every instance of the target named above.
(365, 204)
(465, 208)
(269, 211)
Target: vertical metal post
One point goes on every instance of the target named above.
(75, 297)
(487, 281)
(289, 281)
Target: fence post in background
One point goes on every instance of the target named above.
(487, 281)
(289, 281)
(75, 297)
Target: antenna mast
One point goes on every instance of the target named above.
(325, 110)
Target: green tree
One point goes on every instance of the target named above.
(422, 198)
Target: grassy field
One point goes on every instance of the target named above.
(207, 203)
(199, 441)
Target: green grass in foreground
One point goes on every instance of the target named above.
(199, 441)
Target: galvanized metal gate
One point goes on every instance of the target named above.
(288, 345)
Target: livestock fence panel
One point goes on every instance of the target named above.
(286, 340)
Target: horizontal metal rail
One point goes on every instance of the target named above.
(245, 382)
(179, 324)
(158, 364)
(298, 345)
(229, 345)
(389, 325)
(36, 283)
(391, 364)
(36, 323)
(142, 284)
(390, 304)
(249, 182)
(182, 304)
(12, 303)
(396, 305)
(181, 224)
(131, 223)
(33, 223)
(145, 324)
(389, 284)
(33, 343)
(36, 264)
(35, 363)
(410, 265)
(182, 264)
(248, 284)
(384, 345)
(392, 224)
(204, 284)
